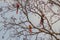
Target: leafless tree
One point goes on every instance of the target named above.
(46, 11)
